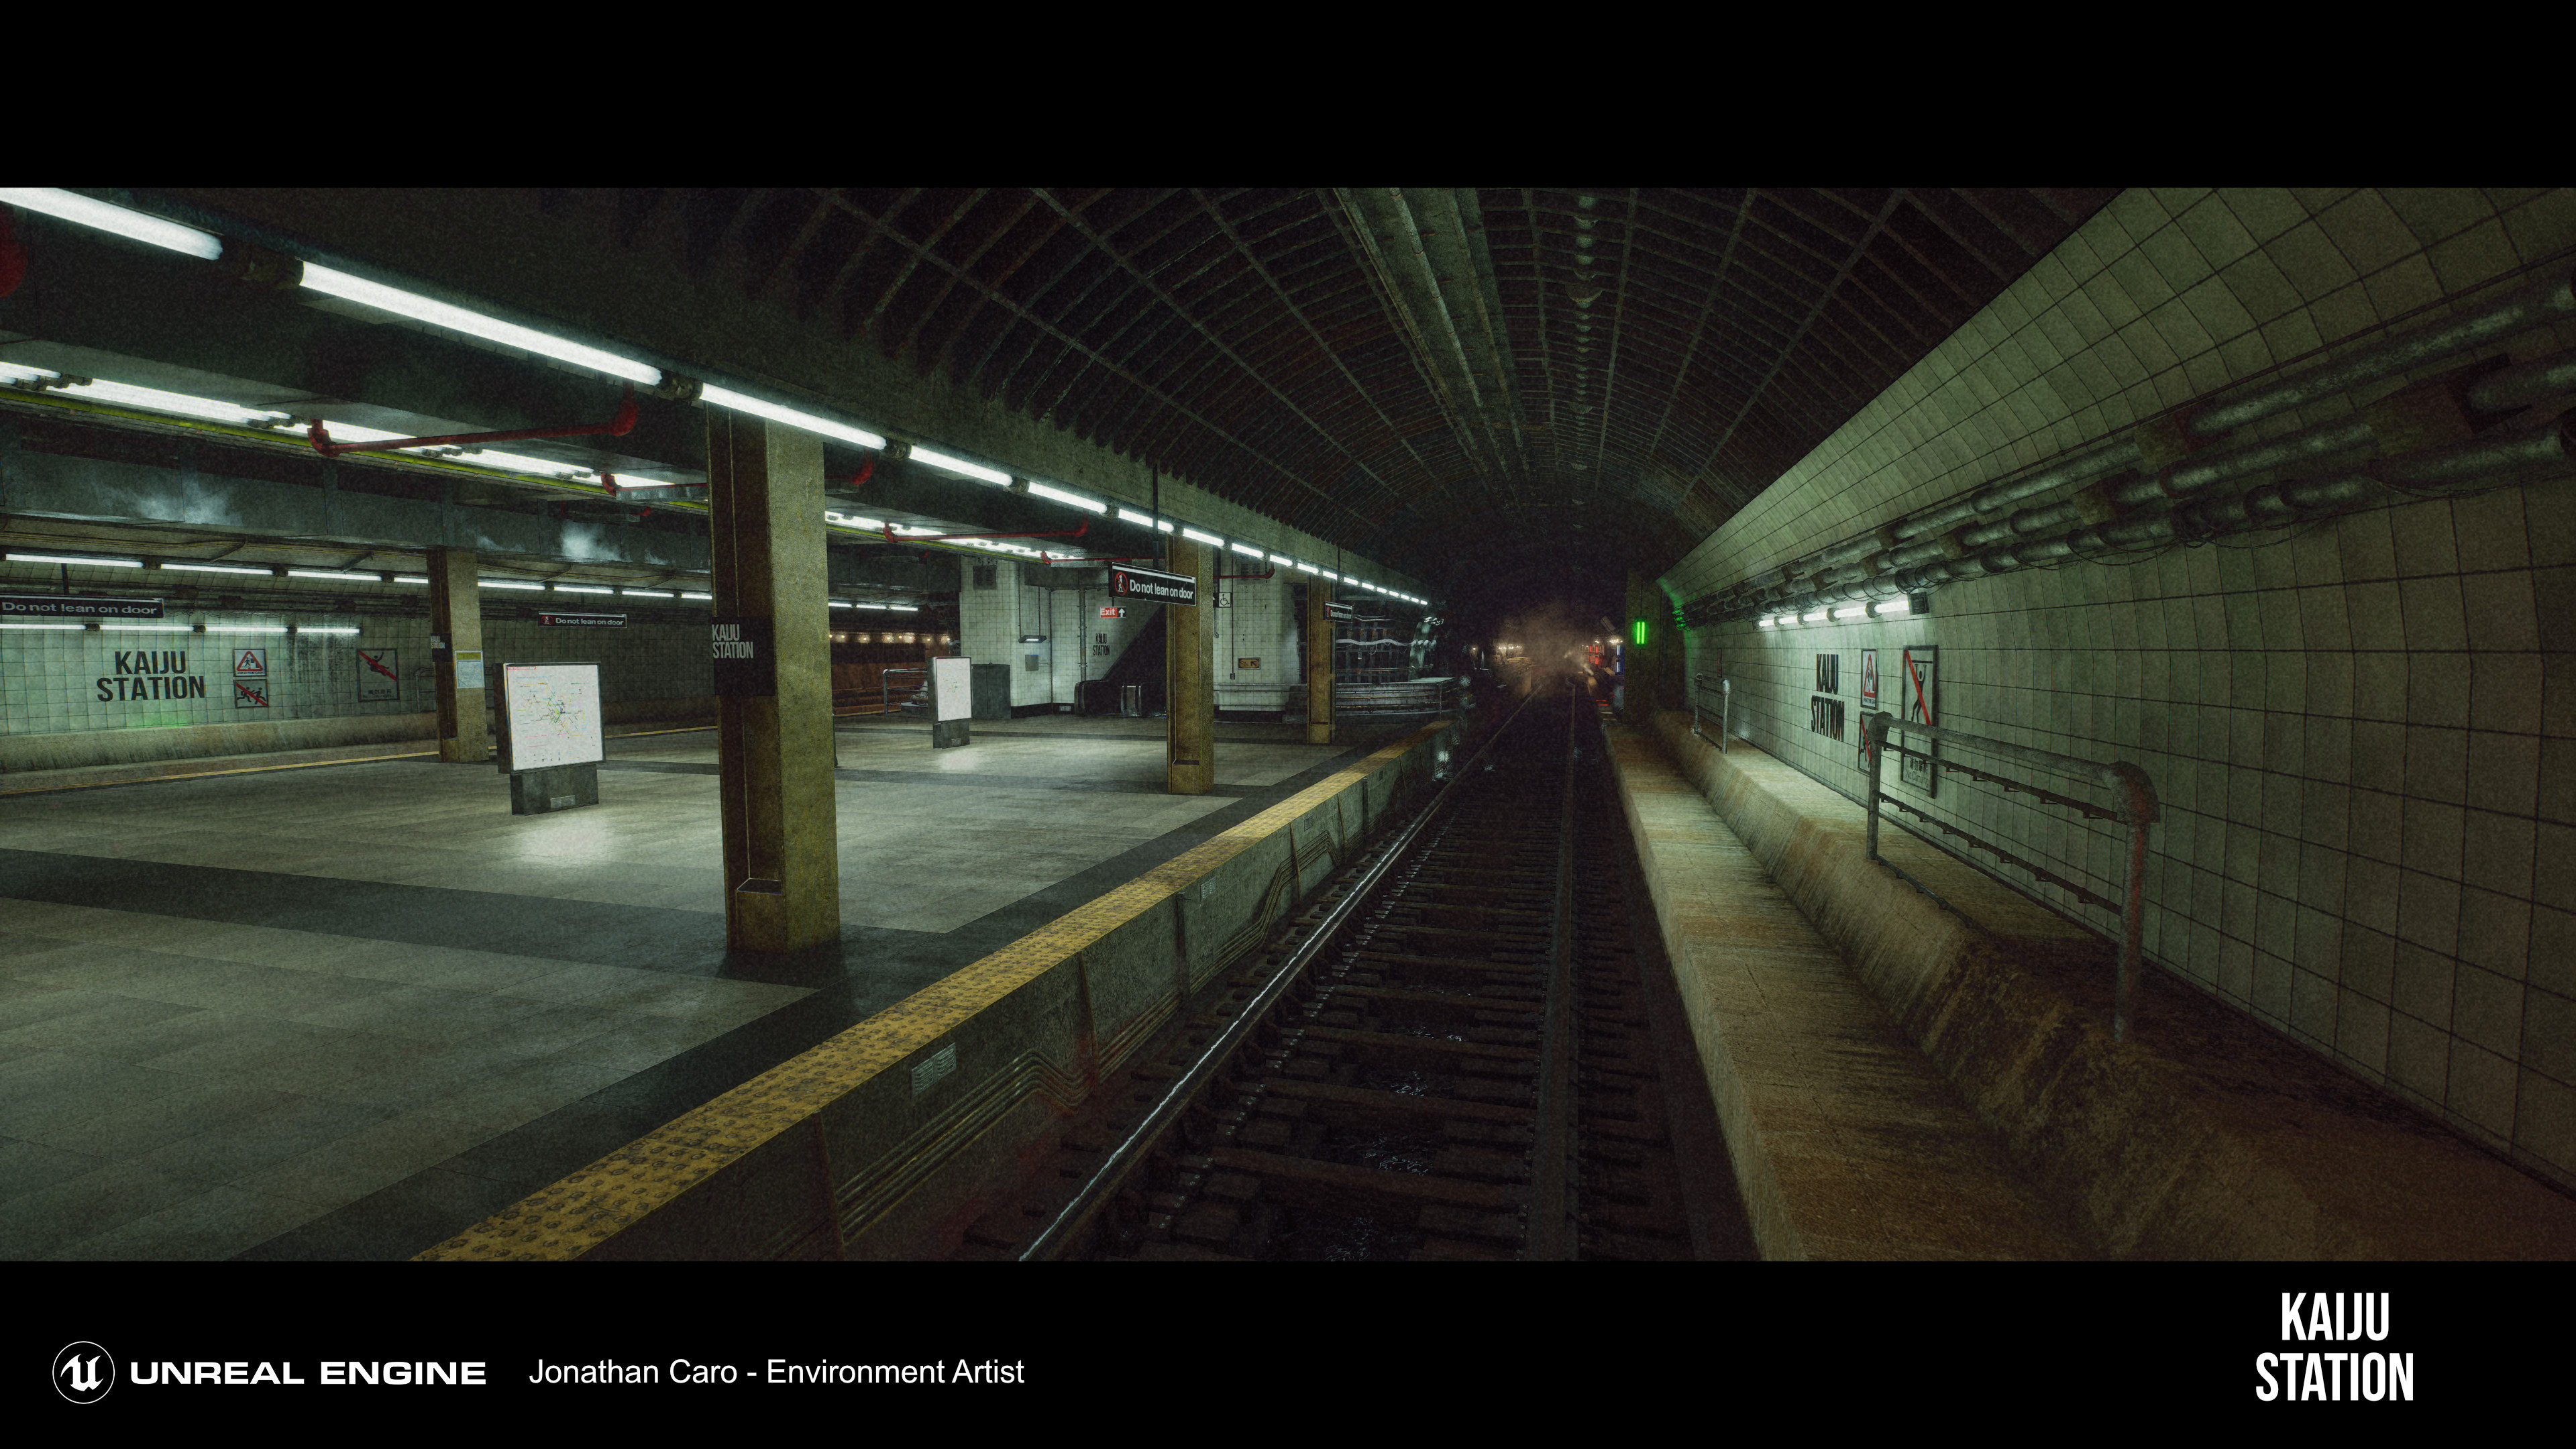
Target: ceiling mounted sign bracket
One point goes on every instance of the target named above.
(618, 426)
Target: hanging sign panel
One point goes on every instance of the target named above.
(554, 716)
(379, 674)
(77, 606)
(1129, 582)
(581, 619)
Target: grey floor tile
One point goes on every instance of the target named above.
(100, 1200)
(133, 1125)
(373, 1157)
(26, 1166)
(211, 1227)
(245, 1145)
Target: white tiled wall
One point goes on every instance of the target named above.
(2363, 732)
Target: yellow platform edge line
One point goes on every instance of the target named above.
(589, 1206)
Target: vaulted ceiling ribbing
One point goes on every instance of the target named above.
(1421, 375)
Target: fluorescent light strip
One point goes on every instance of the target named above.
(1194, 536)
(904, 608)
(328, 574)
(73, 207)
(152, 628)
(506, 584)
(314, 629)
(1241, 547)
(582, 589)
(843, 604)
(724, 397)
(1060, 496)
(706, 597)
(409, 579)
(152, 398)
(43, 626)
(197, 568)
(245, 628)
(872, 606)
(49, 558)
(1132, 516)
(340, 284)
(479, 457)
(959, 465)
(646, 593)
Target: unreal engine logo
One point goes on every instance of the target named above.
(84, 1372)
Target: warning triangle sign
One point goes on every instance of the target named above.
(249, 663)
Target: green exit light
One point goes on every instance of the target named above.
(1641, 633)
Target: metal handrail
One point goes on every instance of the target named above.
(1078, 1215)
(1725, 706)
(2137, 811)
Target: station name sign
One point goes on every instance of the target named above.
(740, 650)
(1154, 584)
(77, 606)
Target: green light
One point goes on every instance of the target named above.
(1641, 633)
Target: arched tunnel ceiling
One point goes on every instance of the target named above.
(1429, 377)
(1461, 383)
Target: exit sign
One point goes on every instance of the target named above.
(1112, 611)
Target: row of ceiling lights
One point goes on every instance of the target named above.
(1902, 606)
(344, 576)
(73, 207)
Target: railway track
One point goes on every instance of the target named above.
(1458, 1053)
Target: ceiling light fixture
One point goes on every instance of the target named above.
(725, 397)
(105, 563)
(73, 207)
(960, 465)
(333, 283)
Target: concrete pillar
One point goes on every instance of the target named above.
(1319, 662)
(456, 615)
(782, 857)
(1189, 686)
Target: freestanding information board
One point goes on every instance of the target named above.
(551, 738)
(952, 699)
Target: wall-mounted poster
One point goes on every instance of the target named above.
(1918, 700)
(379, 674)
(1868, 699)
(554, 716)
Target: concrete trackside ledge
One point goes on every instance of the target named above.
(882, 1142)
(1847, 1144)
(2204, 1137)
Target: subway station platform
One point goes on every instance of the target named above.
(342, 1004)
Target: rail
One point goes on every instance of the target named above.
(1411, 696)
(2137, 811)
(1725, 705)
(1076, 1218)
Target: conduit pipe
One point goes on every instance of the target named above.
(2548, 299)
(2479, 462)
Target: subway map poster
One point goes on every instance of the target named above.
(554, 714)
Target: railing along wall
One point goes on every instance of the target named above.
(2136, 810)
(1702, 686)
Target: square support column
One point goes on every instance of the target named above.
(782, 855)
(1319, 663)
(456, 615)
(1189, 691)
